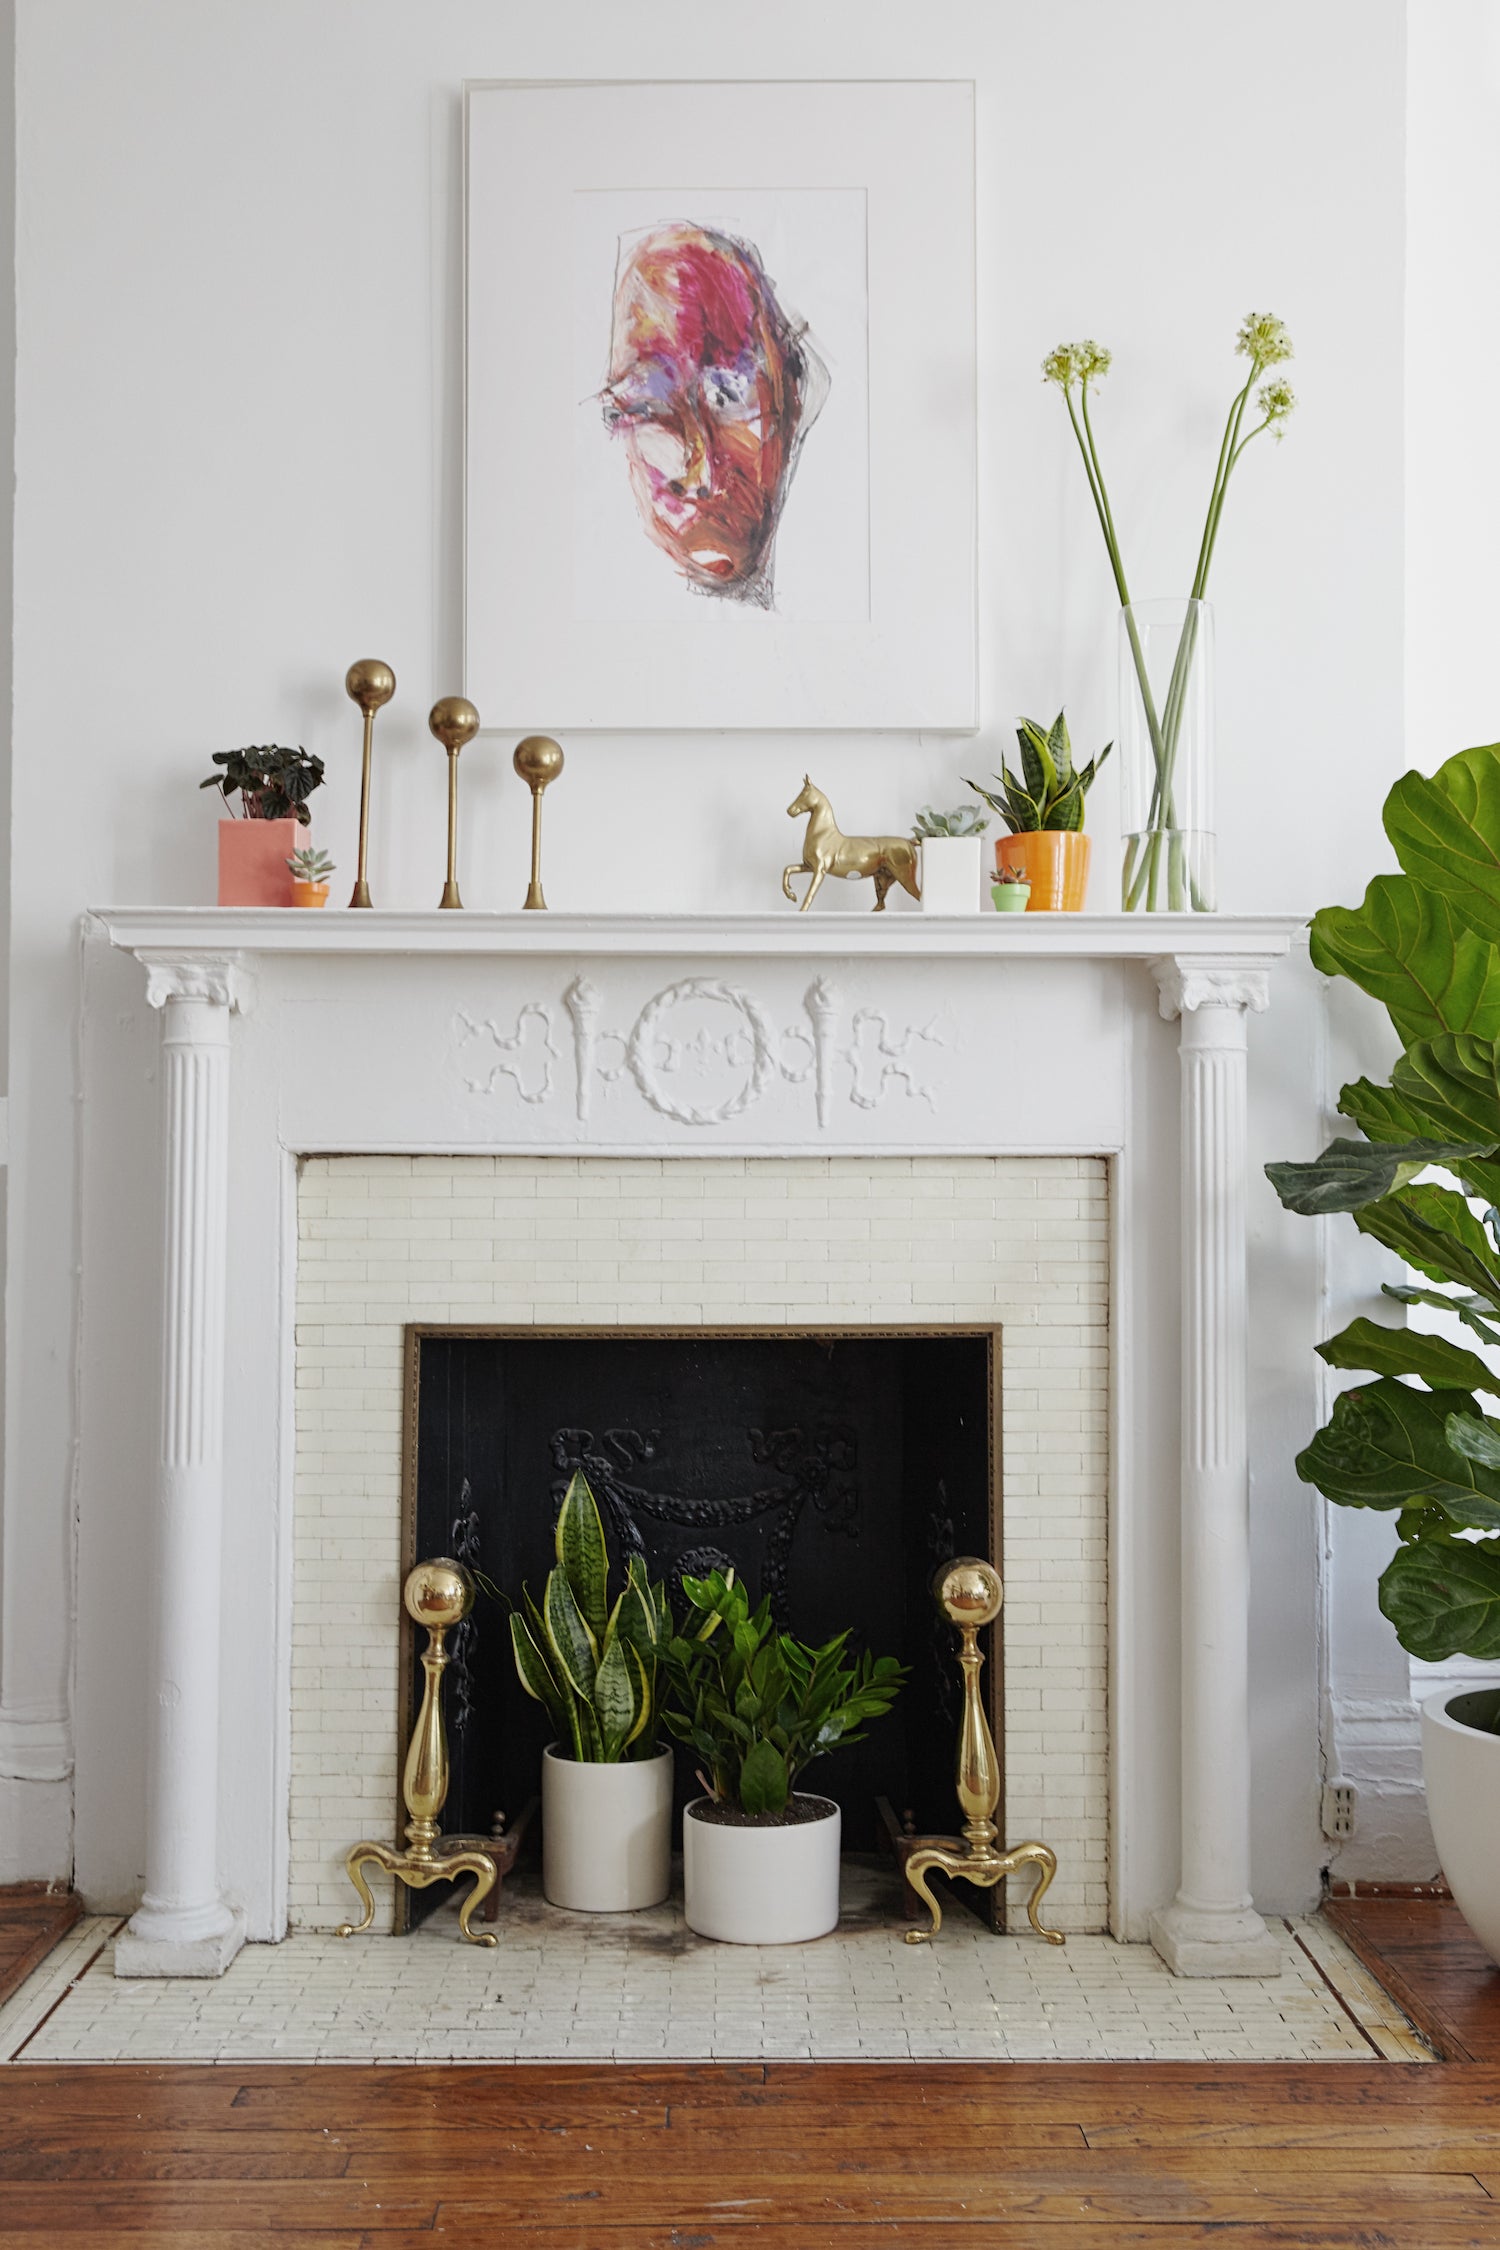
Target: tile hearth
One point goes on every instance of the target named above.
(642, 1988)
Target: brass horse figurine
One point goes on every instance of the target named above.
(890, 859)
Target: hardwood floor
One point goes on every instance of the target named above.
(1425, 1955)
(1140, 2156)
(32, 1919)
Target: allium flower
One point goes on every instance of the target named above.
(1276, 401)
(1264, 339)
(1059, 366)
(1076, 363)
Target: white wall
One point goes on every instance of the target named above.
(238, 468)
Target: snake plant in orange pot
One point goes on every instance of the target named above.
(1042, 806)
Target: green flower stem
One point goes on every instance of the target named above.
(1095, 474)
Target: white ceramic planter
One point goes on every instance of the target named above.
(952, 874)
(762, 1886)
(1462, 1769)
(606, 1833)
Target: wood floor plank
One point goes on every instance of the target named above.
(33, 1916)
(1425, 1955)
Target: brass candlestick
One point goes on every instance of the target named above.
(538, 760)
(439, 1595)
(454, 720)
(369, 683)
(969, 1593)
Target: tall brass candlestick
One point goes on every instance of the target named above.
(454, 720)
(969, 1594)
(438, 1594)
(538, 760)
(369, 683)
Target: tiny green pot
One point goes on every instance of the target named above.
(1011, 898)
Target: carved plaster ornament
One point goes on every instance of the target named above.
(825, 851)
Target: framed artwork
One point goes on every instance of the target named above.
(719, 406)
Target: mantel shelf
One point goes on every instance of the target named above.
(1248, 940)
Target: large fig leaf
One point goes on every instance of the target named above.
(1433, 1229)
(1443, 1597)
(1405, 948)
(1379, 1113)
(1387, 1445)
(1350, 1174)
(1446, 832)
(1470, 1310)
(1449, 1085)
(1409, 1351)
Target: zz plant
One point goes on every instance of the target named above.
(594, 1668)
(1413, 1439)
(1049, 790)
(755, 1706)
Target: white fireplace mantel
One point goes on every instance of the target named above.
(431, 1031)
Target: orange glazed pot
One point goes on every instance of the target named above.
(1054, 861)
(253, 858)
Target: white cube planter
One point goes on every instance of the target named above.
(952, 874)
(1461, 1765)
(762, 1886)
(606, 1833)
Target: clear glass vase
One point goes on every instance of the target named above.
(1166, 739)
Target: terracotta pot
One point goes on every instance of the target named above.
(253, 858)
(1055, 861)
(309, 894)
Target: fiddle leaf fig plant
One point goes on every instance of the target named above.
(594, 1668)
(1415, 1441)
(1049, 790)
(756, 1706)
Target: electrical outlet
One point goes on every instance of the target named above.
(1338, 1809)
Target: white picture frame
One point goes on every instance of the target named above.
(843, 216)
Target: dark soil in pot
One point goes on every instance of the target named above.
(1479, 1709)
(799, 1811)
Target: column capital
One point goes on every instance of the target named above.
(1186, 982)
(224, 980)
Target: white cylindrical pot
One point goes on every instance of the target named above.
(606, 1833)
(762, 1886)
(952, 872)
(1461, 1764)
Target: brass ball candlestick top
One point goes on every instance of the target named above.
(538, 760)
(969, 1594)
(369, 683)
(454, 720)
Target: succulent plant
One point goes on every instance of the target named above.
(1049, 790)
(964, 820)
(1017, 875)
(273, 782)
(593, 1667)
(310, 865)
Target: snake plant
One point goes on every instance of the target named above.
(1049, 790)
(593, 1667)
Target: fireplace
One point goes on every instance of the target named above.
(833, 1469)
(392, 1120)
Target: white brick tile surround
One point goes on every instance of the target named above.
(383, 1240)
(583, 1241)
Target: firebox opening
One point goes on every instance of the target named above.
(834, 1469)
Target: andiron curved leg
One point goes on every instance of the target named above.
(354, 1868)
(986, 1868)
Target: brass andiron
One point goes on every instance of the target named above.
(454, 720)
(439, 1595)
(538, 760)
(369, 683)
(969, 1593)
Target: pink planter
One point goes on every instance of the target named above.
(253, 858)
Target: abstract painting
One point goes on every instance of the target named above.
(713, 386)
(719, 429)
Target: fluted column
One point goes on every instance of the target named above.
(1211, 1929)
(183, 1927)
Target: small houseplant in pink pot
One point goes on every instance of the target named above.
(273, 785)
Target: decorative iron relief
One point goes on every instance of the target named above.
(464, 1545)
(703, 1051)
(814, 1469)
